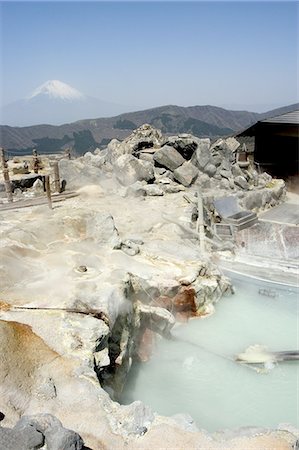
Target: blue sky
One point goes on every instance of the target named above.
(145, 54)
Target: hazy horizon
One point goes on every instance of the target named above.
(235, 55)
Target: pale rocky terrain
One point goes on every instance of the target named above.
(81, 285)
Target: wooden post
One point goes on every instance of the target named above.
(6, 177)
(48, 191)
(56, 176)
(35, 161)
(200, 223)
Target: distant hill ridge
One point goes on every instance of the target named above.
(84, 135)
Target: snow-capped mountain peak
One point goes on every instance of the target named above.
(58, 90)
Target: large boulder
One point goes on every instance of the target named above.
(237, 171)
(241, 182)
(26, 439)
(129, 169)
(202, 155)
(78, 173)
(226, 148)
(186, 174)
(185, 144)
(143, 137)
(44, 428)
(210, 170)
(169, 157)
(96, 159)
(102, 230)
(153, 190)
(116, 149)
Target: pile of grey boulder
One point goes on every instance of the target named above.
(148, 163)
(39, 431)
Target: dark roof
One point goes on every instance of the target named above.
(290, 118)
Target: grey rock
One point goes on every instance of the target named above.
(146, 157)
(40, 422)
(143, 137)
(173, 188)
(102, 230)
(218, 145)
(266, 197)
(147, 289)
(236, 171)
(202, 155)
(159, 320)
(130, 247)
(159, 170)
(221, 147)
(253, 200)
(247, 175)
(241, 182)
(26, 438)
(78, 173)
(44, 427)
(224, 183)
(210, 170)
(185, 144)
(129, 169)
(225, 173)
(115, 149)
(255, 177)
(169, 175)
(169, 157)
(59, 438)
(153, 190)
(163, 180)
(279, 190)
(203, 180)
(231, 183)
(216, 159)
(225, 164)
(137, 189)
(186, 174)
(129, 251)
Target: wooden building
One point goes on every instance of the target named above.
(276, 145)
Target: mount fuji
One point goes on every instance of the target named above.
(56, 103)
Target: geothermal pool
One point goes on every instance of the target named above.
(194, 373)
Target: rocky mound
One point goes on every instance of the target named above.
(149, 164)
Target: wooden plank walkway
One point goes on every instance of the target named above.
(36, 201)
(286, 214)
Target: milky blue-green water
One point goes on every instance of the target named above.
(194, 373)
